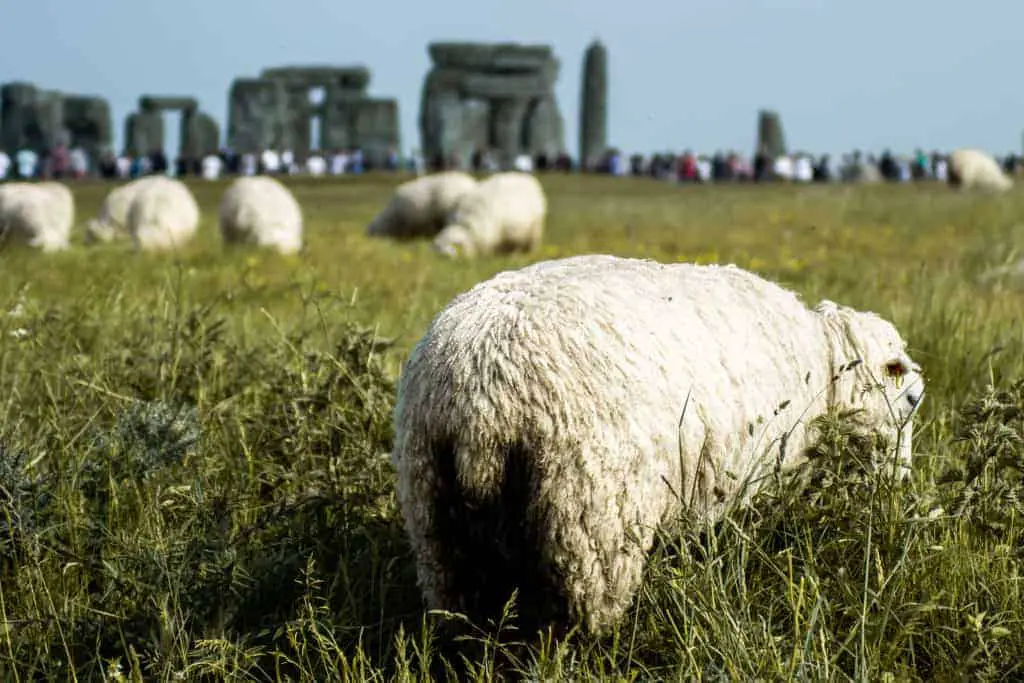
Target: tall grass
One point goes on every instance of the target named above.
(194, 481)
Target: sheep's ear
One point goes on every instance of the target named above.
(897, 368)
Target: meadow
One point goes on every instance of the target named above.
(193, 483)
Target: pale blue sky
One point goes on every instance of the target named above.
(843, 73)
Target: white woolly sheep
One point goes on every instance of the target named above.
(40, 215)
(260, 210)
(503, 214)
(419, 208)
(974, 169)
(162, 215)
(112, 221)
(553, 413)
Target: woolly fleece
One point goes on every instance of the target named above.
(419, 208)
(163, 215)
(504, 214)
(538, 428)
(260, 210)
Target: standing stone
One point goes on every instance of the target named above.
(489, 96)
(544, 128)
(255, 120)
(144, 132)
(200, 135)
(49, 107)
(37, 119)
(89, 121)
(20, 126)
(507, 128)
(376, 128)
(594, 106)
(274, 112)
(771, 141)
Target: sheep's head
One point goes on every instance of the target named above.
(454, 241)
(875, 373)
(375, 227)
(98, 230)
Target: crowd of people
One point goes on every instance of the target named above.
(796, 167)
(63, 162)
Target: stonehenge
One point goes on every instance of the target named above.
(38, 119)
(277, 110)
(594, 106)
(144, 129)
(497, 96)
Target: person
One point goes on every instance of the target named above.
(27, 163)
(271, 161)
(212, 166)
(124, 165)
(5, 164)
(59, 162)
(316, 165)
(78, 161)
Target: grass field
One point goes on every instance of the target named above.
(191, 484)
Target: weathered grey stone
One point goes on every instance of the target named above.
(50, 112)
(200, 135)
(19, 126)
(38, 119)
(514, 82)
(89, 122)
(494, 85)
(544, 128)
(144, 129)
(255, 115)
(490, 56)
(594, 106)
(352, 78)
(168, 103)
(507, 122)
(144, 132)
(274, 111)
(771, 141)
(377, 129)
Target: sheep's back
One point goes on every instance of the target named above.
(608, 351)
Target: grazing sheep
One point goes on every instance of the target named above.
(40, 215)
(419, 208)
(553, 413)
(112, 220)
(973, 169)
(162, 215)
(503, 214)
(260, 210)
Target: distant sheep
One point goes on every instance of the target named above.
(260, 210)
(551, 414)
(112, 221)
(39, 215)
(975, 169)
(419, 208)
(503, 214)
(162, 215)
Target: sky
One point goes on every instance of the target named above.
(843, 74)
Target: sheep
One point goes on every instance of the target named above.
(162, 215)
(40, 215)
(260, 210)
(503, 214)
(974, 169)
(553, 413)
(112, 220)
(419, 208)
